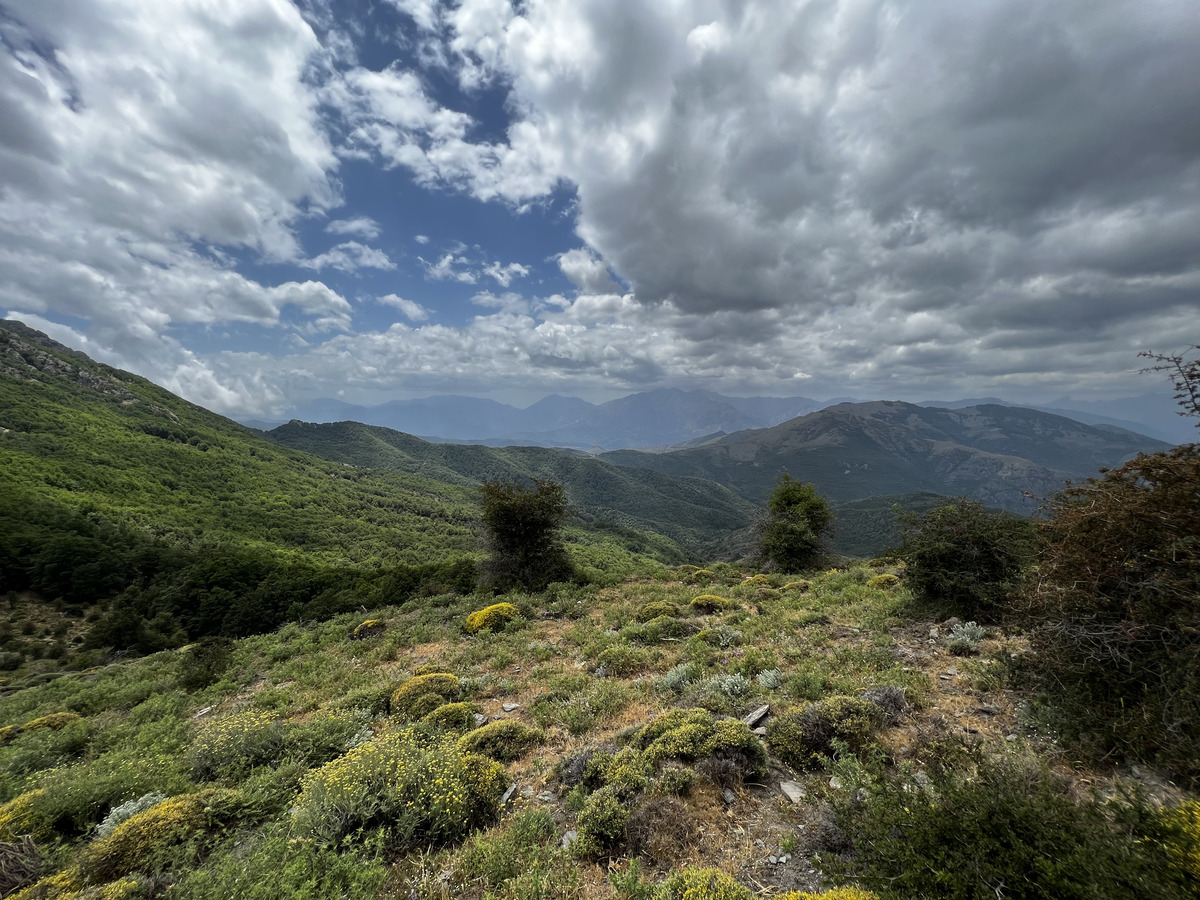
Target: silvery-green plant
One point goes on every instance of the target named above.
(680, 676)
(770, 678)
(732, 685)
(965, 638)
(127, 810)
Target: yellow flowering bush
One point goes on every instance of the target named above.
(885, 582)
(453, 717)
(367, 629)
(493, 617)
(144, 840)
(410, 697)
(709, 603)
(69, 885)
(702, 884)
(233, 745)
(54, 721)
(656, 608)
(422, 795)
(1182, 838)
(24, 815)
(842, 893)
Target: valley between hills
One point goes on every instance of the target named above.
(262, 664)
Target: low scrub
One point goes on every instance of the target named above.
(491, 618)
(504, 741)
(416, 794)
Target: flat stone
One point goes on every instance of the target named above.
(507, 796)
(760, 731)
(784, 858)
(480, 719)
(952, 671)
(757, 716)
(944, 677)
(545, 797)
(1010, 737)
(569, 838)
(987, 710)
(835, 783)
(510, 707)
(202, 713)
(793, 790)
(729, 796)
(772, 859)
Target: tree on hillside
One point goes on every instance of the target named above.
(523, 532)
(1118, 594)
(793, 533)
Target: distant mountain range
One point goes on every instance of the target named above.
(667, 417)
(853, 451)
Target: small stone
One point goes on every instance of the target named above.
(944, 677)
(527, 791)
(510, 707)
(757, 716)
(507, 796)
(921, 778)
(933, 632)
(835, 783)
(545, 797)
(760, 731)
(987, 710)
(758, 842)
(202, 713)
(952, 671)
(729, 796)
(772, 859)
(569, 838)
(784, 858)
(793, 790)
(1010, 737)
(480, 719)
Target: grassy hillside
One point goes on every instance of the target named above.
(111, 487)
(691, 511)
(590, 747)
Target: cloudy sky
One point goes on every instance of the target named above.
(256, 202)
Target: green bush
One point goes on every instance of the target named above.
(601, 824)
(623, 660)
(148, 840)
(412, 695)
(416, 794)
(693, 734)
(232, 746)
(506, 740)
(456, 717)
(656, 608)
(710, 603)
(999, 824)
(524, 534)
(965, 559)
(203, 663)
(801, 738)
(491, 618)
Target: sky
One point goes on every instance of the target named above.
(255, 203)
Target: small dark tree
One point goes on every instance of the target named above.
(965, 559)
(794, 530)
(523, 534)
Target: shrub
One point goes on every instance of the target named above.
(505, 740)
(702, 884)
(622, 660)
(965, 559)
(147, 840)
(998, 821)
(1179, 832)
(842, 893)
(417, 795)
(127, 810)
(407, 699)
(802, 738)
(890, 700)
(54, 721)
(885, 582)
(601, 824)
(656, 608)
(492, 618)
(680, 676)
(233, 745)
(965, 638)
(770, 678)
(792, 535)
(709, 603)
(692, 734)
(523, 525)
(368, 629)
(1117, 607)
(203, 663)
(24, 815)
(452, 717)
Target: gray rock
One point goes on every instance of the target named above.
(202, 713)
(793, 790)
(835, 783)
(757, 716)
(510, 707)
(772, 859)
(480, 719)
(545, 797)
(729, 796)
(760, 731)
(507, 796)
(569, 838)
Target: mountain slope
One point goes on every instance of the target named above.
(693, 512)
(857, 450)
